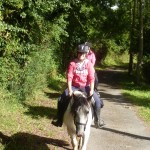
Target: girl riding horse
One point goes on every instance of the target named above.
(80, 76)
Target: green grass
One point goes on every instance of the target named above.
(140, 97)
(114, 59)
(27, 125)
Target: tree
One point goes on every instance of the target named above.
(132, 36)
(140, 53)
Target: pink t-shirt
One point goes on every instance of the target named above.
(81, 75)
(91, 57)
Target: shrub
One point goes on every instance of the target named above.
(38, 69)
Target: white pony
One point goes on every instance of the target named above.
(78, 119)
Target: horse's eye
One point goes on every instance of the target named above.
(87, 111)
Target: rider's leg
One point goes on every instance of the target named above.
(62, 105)
(96, 84)
(97, 108)
(96, 81)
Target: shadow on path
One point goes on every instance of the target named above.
(110, 76)
(126, 134)
(26, 141)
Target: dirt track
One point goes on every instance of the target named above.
(124, 130)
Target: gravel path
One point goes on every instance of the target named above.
(124, 130)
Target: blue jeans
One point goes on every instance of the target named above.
(98, 102)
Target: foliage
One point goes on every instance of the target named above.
(37, 71)
(38, 38)
(113, 59)
(10, 74)
(29, 44)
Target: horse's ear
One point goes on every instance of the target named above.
(89, 98)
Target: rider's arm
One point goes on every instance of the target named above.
(70, 77)
(91, 77)
(93, 60)
(70, 88)
(91, 88)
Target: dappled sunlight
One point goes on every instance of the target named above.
(137, 99)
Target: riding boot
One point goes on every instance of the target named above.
(98, 122)
(61, 108)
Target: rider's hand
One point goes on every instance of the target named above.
(91, 93)
(70, 93)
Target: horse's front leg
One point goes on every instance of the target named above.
(85, 139)
(74, 142)
(80, 143)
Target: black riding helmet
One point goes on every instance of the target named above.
(82, 48)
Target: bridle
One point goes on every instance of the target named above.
(79, 123)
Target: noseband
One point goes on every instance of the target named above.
(80, 101)
(79, 123)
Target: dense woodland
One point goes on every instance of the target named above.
(39, 37)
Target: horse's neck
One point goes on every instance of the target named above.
(68, 110)
(68, 117)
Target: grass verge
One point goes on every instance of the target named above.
(27, 125)
(139, 96)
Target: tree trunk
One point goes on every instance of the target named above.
(130, 69)
(140, 54)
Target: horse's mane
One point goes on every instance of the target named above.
(79, 100)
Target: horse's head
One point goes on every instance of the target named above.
(81, 110)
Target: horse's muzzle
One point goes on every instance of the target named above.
(79, 134)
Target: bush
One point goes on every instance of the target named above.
(38, 69)
(10, 74)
